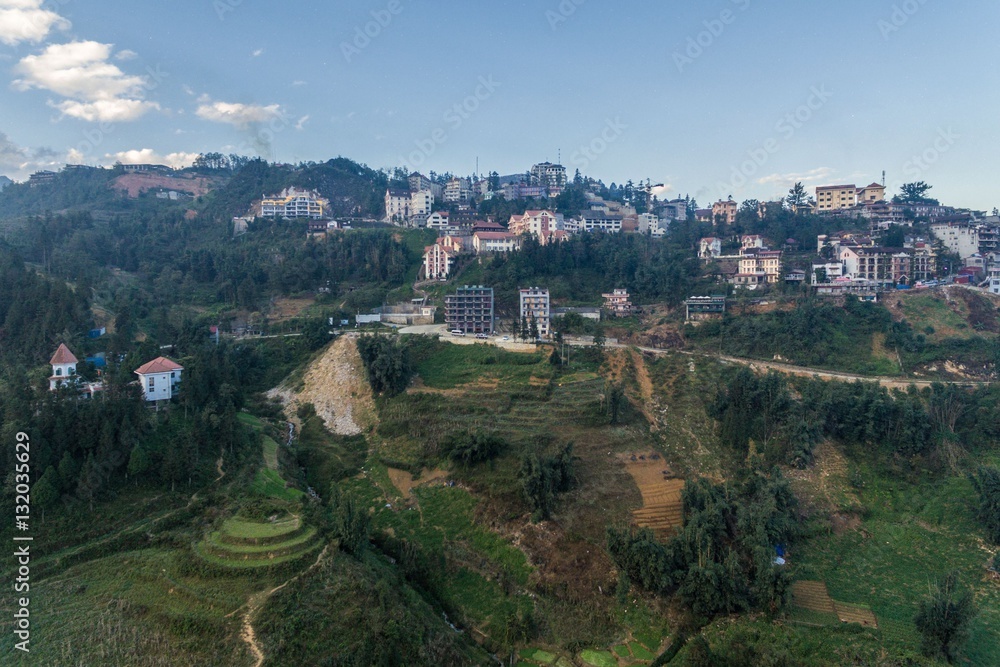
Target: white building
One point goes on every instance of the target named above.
(650, 224)
(596, 221)
(421, 203)
(457, 191)
(397, 205)
(535, 306)
(440, 258)
(710, 248)
(63, 368)
(159, 379)
(995, 285)
(549, 175)
(495, 242)
(293, 204)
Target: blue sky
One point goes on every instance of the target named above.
(739, 97)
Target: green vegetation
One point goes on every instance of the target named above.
(387, 363)
(944, 616)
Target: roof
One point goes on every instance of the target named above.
(63, 356)
(158, 365)
(495, 236)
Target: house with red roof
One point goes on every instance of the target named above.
(159, 379)
(63, 367)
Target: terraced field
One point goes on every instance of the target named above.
(248, 544)
(812, 605)
(662, 509)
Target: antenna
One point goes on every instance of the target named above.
(560, 156)
(883, 178)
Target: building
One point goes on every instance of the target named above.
(702, 308)
(63, 368)
(418, 182)
(710, 248)
(649, 223)
(159, 379)
(41, 178)
(724, 211)
(968, 238)
(440, 258)
(292, 204)
(421, 203)
(675, 209)
(872, 194)
(487, 242)
(752, 241)
(535, 307)
(758, 267)
(457, 191)
(585, 313)
(836, 197)
(597, 221)
(540, 224)
(885, 266)
(552, 176)
(513, 191)
(994, 286)
(618, 303)
(470, 310)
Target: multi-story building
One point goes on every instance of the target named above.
(420, 182)
(513, 191)
(618, 303)
(540, 224)
(488, 242)
(878, 264)
(421, 203)
(836, 197)
(968, 238)
(440, 258)
(457, 191)
(758, 267)
(549, 175)
(725, 210)
(750, 241)
(596, 221)
(470, 310)
(675, 209)
(292, 204)
(649, 223)
(535, 306)
(397, 205)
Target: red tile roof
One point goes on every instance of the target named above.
(63, 356)
(158, 365)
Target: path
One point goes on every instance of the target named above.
(256, 602)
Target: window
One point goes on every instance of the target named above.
(152, 384)
(58, 372)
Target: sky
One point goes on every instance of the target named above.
(711, 99)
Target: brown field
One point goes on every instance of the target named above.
(405, 482)
(814, 596)
(286, 309)
(852, 613)
(136, 184)
(662, 510)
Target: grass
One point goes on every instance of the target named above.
(243, 528)
(912, 534)
(269, 483)
(446, 366)
(599, 658)
(538, 655)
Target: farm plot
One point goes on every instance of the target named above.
(249, 544)
(662, 510)
(812, 605)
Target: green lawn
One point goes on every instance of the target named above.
(446, 366)
(912, 535)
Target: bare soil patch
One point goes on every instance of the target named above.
(662, 509)
(405, 482)
(136, 184)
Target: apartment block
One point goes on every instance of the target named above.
(549, 175)
(725, 210)
(618, 303)
(292, 204)
(836, 197)
(470, 310)
(535, 305)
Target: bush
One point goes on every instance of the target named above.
(944, 616)
(987, 484)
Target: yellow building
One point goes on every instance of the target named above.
(836, 197)
(726, 209)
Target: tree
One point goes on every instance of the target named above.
(45, 492)
(349, 522)
(797, 196)
(914, 193)
(614, 401)
(944, 616)
(987, 484)
(387, 363)
(533, 329)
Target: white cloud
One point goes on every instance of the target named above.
(299, 83)
(149, 156)
(126, 54)
(302, 123)
(821, 174)
(257, 53)
(238, 114)
(97, 90)
(109, 111)
(26, 21)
